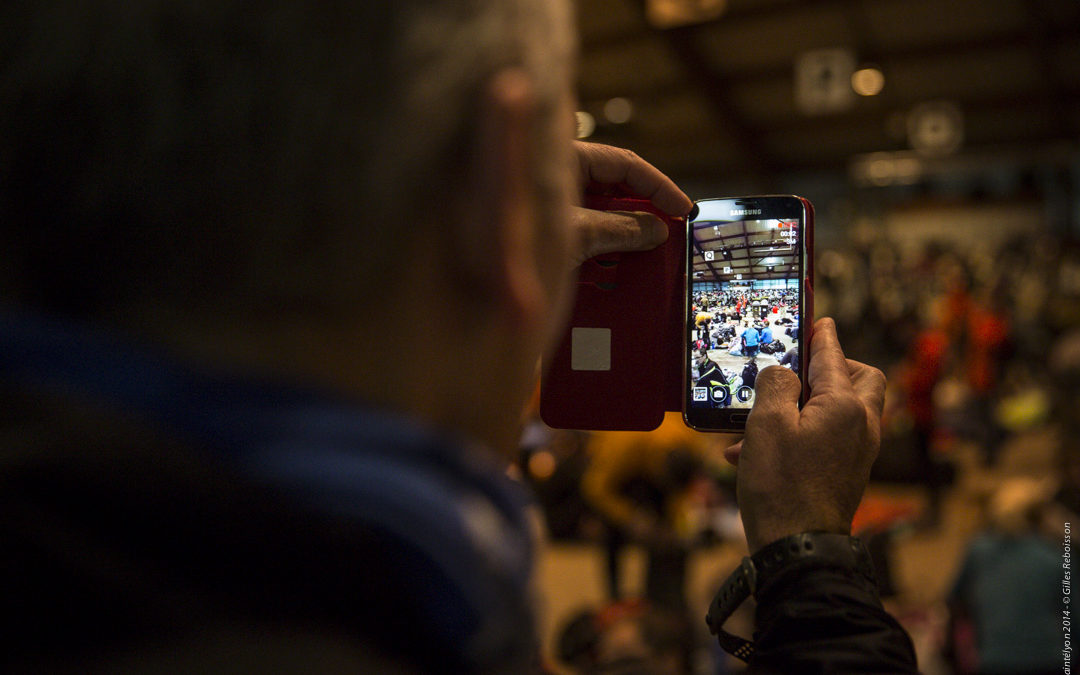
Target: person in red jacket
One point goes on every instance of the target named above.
(988, 342)
(920, 374)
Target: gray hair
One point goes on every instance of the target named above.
(260, 155)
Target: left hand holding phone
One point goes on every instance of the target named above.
(607, 168)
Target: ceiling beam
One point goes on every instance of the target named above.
(756, 161)
(1047, 35)
(1065, 99)
(1041, 41)
(750, 11)
(708, 263)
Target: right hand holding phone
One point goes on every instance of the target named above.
(806, 470)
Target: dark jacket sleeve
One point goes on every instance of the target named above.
(818, 619)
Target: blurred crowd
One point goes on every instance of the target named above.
(979, 344)
(982, 349)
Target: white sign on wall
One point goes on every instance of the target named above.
(823, 80)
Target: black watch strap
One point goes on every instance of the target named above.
(835, 549)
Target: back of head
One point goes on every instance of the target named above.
(1015, 505)
(248, 157)
(248, 160)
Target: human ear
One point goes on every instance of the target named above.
(503, 237)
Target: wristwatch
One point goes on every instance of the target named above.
(835, 550)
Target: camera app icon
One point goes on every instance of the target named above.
(709, 255)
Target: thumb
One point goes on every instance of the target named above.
(732, 452)
(776, 392)
(615, 231)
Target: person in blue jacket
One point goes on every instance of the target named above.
(766, 333)
(751, 340)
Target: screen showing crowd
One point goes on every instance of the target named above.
(744, 306)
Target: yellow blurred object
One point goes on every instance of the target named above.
(1024, 410)
(619, 456)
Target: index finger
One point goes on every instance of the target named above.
(828, 371)
(613, 166)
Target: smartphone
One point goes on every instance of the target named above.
(749, 302)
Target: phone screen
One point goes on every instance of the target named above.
(745, 308)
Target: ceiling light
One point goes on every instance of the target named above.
(618, 110)
(887, 168)
(867, 81)
(673, 13)
(586, 124)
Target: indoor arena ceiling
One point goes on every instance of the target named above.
(755, 91)
(743, 250)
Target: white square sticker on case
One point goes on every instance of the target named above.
(590, 349)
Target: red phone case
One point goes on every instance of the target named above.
(619, 364)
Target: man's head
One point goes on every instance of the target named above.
(280, 182)
(264, 157)
(701, 356)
